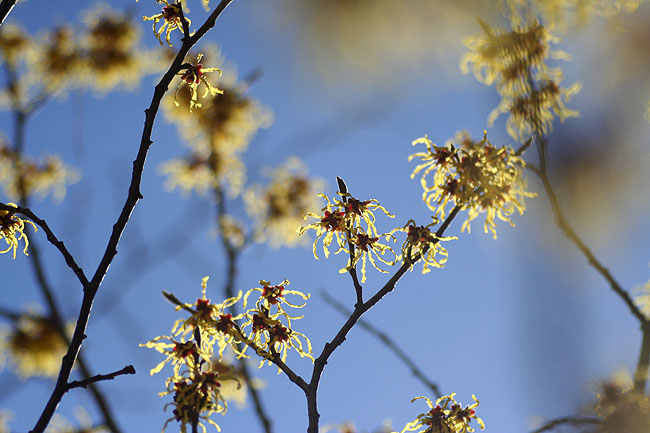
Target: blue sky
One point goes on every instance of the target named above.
(522, 321)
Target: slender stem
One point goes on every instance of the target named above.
(641, 374)
(132, 199)
(388, 343)
(343, 189)
(359, 310)
(574, 421)
(99, 377)
(5, 7)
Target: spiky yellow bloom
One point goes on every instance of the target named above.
(34, 347)
(197, 397)
(422, 244)
(446, 416)
(369, 248)
(515, 62)
(478, 177)
(171, 17)
(279, 208)
(12, 230)
(193, 76)
(270, 324)
(57, 60)
(342, 219)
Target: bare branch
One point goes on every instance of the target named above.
(5, 7)
(99, 377)
(574, 421)
(388, 342)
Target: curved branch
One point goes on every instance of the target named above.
(5, 7)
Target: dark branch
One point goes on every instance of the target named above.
(5, 7)
(388, 342)
(99, 377)
(574, 421)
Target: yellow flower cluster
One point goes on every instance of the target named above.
(621, 408)
(529, 89)
(31, 177)
(12, 230)
(34, 347)
(217, 131)
(422, 243)
(279, 208)
(105, 54)
(446, 416)
(196, 346)
(352, 223)
(477, 176)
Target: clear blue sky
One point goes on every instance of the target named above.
(522, 322)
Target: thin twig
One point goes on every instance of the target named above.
(51, 237)
(574, 421)
(5, 7)
(132, 199)
(388, 343)
(99, 377)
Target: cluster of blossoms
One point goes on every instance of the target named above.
(19, 175)
(477, 177)
(621, 408)
(351, 222)
(12, 230)
(196, 346)
(217, 131)
(34, 347)
(516, 61)
(446, 416)
(279, 207)
(103, 55)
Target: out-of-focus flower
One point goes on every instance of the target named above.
(231, 390)
(202, 173)
(14, 44)
(280, 207)
(57, 60)
(516, 62)
(171, 17)
(111, 55)
(5, 417)
(32, 177)
(193, 76)
(621, 408)
(478, 177)
(34, 347)
(12, 230)
(446, 416)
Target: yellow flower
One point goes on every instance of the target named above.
(478, 177)
(621, 408)
(516, 62)
(279, 208)
(420, 240)
(447, 416)
(369, 248)
(35, 347)
(12, 230)
(193, 76)
(171, 17)
(111, 55)
(57, 59)
(268, 332)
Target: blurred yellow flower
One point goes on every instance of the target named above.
(279, 208)
(34, 347)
